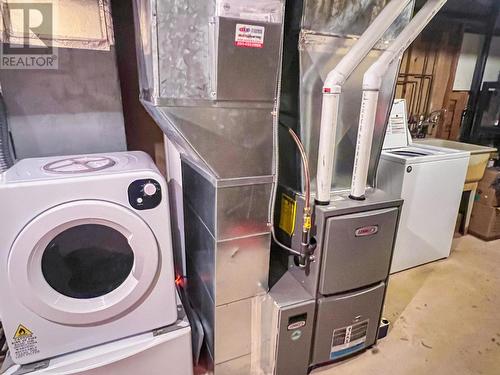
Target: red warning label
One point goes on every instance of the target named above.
(249, 36)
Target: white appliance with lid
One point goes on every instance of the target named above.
(85, 253)
(430, 180)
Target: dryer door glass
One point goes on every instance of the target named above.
(87, 261)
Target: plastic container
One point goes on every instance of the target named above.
(479, 156)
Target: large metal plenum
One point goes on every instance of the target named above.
(324, 31)
(227, 244)
(209, 73)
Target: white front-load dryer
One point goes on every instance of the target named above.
(85, 253)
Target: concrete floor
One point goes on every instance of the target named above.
(445, 318)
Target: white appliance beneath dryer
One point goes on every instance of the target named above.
(85, 253)
(163, 351)
(430, 180)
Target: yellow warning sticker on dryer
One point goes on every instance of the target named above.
(24, 343)
(287, 214)
(22, 331)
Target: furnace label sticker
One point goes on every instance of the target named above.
(287, 214)
(24, 343)
(249, 36)
(348, 339)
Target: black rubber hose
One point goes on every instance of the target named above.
(6, 157)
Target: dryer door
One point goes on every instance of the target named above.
(83, 262)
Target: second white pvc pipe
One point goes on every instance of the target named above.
(332, 92)
(372, 82)
(364, 144)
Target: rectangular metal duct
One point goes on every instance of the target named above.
(324, 32)
(209, 72)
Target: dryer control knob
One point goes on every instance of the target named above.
(150, 189)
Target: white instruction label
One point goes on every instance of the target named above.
(347, 340)
(249, 36)
(396, 135)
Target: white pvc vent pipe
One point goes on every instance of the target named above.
(372, 82)
(332, 90)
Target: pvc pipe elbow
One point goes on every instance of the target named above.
(332, 90)
(372, 80)
(333, 82)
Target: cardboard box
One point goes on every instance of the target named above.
(487, 195)
(491, 176)
(488, 190)
(485, 222)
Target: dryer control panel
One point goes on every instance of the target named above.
(144, 194)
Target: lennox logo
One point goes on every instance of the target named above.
(26, 28)
(366, 231)
(296, 325)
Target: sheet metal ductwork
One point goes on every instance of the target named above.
(210, 77)
(324, 32)
(209, 73)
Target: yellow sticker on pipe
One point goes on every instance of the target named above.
(307, 222)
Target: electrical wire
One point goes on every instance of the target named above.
(274, 193)
(274, 190)
(305, 165)
(272, 206)
(307, 177)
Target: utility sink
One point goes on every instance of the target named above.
(479, 156)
